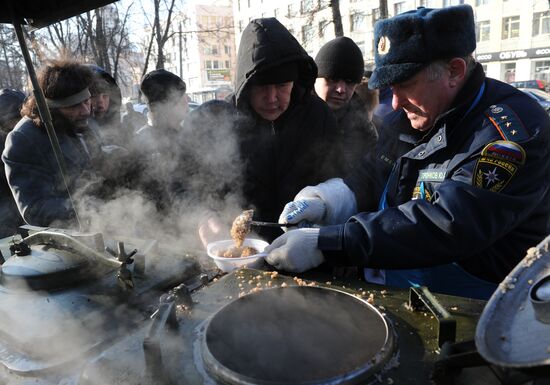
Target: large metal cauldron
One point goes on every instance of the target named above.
(297, 335)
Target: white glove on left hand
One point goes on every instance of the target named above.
(295, 251)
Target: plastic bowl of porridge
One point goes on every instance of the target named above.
(217, 249)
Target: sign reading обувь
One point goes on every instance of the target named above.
(513, 54)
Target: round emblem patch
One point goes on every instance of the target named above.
(383, 45)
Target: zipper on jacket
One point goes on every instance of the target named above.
(272, 128)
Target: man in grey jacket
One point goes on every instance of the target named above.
(32, 171)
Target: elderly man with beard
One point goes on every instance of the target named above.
(458, 187)
(31, 168)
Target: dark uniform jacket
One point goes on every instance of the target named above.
(34, 176)
(283, 156)
(474, 190)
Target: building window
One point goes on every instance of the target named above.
(541, 23)
(357, 22)
(448, 3)
(211, 50)
(208, 64)
(290, 11)
(375, 15)
(482, 2)
(509, 72)
(215, 64)
(542, 70)
(483, 30)
(307, 34)
(227, 49)
(510, 27)
(398, 8)
(361, 45)
(306, 6)
(227, 64)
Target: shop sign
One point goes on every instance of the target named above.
(218, 74)
(513, 54)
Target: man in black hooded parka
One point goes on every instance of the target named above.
(285, 131)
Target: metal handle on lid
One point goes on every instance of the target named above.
(421, 296)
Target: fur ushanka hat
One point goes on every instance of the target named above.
(410, 41)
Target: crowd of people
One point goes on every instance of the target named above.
(448, 188)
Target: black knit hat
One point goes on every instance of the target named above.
(340, 58)
(285, 72)
(10, 104)
(410, 41)
(159, 85)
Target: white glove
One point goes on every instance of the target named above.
(338, 204)
(311, 210)
(295, 251)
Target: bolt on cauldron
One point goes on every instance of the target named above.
(77, 309)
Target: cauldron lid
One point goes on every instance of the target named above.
(509, 332)
(296, 335)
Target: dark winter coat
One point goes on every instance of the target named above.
(356, 134)
(34, 176)
(283, 156)
(10, 219)
(475, 190)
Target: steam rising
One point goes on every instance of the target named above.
(198, 170)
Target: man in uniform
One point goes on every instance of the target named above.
(458, 188)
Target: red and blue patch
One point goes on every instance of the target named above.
(497, 164)
(505, 150)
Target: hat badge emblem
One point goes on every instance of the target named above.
(383, 45)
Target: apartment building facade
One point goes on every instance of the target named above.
(201, 49)
(513, 35)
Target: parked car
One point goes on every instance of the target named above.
(192, 105)
(540, 96)
(534, 84)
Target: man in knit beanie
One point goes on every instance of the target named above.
(340, 71)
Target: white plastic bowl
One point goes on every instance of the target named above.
(230, 264)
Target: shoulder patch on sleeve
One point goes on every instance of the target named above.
(507, 123)
(497, 164)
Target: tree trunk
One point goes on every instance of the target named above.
(337, 18)
(383, 9)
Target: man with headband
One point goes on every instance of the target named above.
(31, 168)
